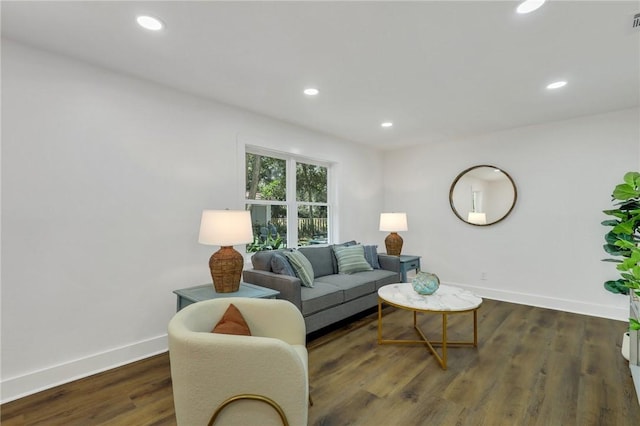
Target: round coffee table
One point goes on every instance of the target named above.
(447, 300)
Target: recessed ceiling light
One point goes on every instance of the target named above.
(311, 91)
(557, 85)
(387, 124)
(528, 6)
(150, 23)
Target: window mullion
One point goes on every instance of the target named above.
(292, 205)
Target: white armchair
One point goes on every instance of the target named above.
(260, 379)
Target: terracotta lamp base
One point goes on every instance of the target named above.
(226, 269)
(393, 242)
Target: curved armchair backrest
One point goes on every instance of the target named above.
(208, 369)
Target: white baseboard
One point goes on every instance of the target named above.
(46, 378)
(567, 305)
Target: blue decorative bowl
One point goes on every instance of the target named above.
(425, 283)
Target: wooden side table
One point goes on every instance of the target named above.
(407, 263)
(187, 296)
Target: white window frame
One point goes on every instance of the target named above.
(291, 201)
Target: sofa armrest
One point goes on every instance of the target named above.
(289, 287)
(389, 263)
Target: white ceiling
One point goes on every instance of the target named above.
(440, 70)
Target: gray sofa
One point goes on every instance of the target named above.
(334, 296)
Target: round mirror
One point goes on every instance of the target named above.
(482, 195)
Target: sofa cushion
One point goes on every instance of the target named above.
(301, 266)
(359, 284)
(321, 258)
(261, 260)
(280, 265)
(383, 277)
(322, 296)
(371, 254)
(351, 259)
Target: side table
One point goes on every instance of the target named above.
(407, 263)
(187, 296)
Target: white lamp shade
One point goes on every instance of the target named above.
(393, 222)
(225, 227)
(477, 218)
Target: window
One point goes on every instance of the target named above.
(288, 198)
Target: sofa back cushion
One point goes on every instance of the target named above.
(321, 258)
(261, 260)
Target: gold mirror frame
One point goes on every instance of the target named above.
(473, 197)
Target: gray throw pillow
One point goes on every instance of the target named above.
(301, 266)
(371, 254)
(280, 265)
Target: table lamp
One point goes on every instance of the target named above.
(393, 222)
(226, 228)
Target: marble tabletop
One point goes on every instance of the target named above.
(447, 298)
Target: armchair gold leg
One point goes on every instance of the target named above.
(253, 397)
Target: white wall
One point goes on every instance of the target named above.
(104, 178)
(547, 252)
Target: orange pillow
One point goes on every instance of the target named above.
(232, 322)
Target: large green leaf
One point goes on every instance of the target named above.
(614, 250)
(610, 222)
(616, 287)
(630, 178)
(616, 213)
(624, 192)
(634, 324)
(625, 244)
(611, 237)
(626, 227)
(626, 237)
(627, 264)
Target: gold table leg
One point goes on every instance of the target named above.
(379, 321)
(444, 343)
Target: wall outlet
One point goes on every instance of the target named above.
(483, 276)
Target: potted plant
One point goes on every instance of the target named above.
(623, 239)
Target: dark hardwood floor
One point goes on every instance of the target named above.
(533, 366)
